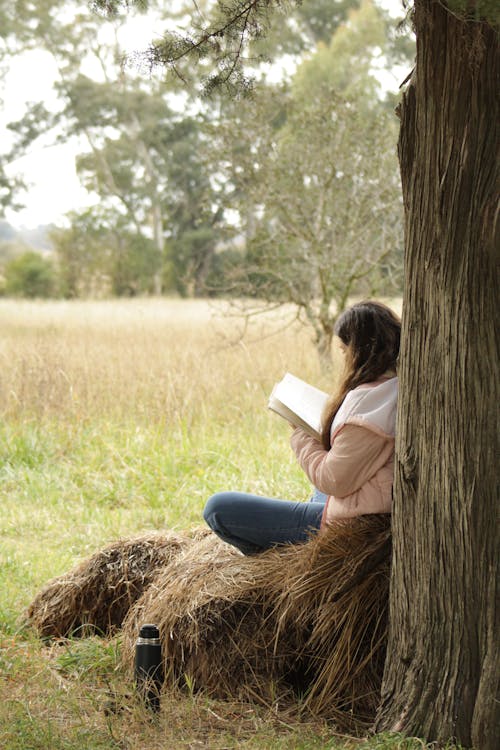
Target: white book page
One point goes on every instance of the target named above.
(301, 399)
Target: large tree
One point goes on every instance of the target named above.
(442, 667)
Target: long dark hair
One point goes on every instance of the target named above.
(370, 331)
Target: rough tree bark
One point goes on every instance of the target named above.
(441, 675)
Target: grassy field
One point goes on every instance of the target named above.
(118, 418)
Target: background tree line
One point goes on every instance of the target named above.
(288, 192)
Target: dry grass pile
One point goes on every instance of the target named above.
(95, 596)
(338, 596)
(214, 609)
(297, 625)
(302, 620)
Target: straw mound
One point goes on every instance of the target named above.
(306, 620)
(215, 620)
(97, 594)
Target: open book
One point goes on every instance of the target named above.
(299, 403)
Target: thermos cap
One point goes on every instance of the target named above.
(149, 631)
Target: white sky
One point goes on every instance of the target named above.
(53, 186)
(49, 170)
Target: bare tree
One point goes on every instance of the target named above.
(321, 204)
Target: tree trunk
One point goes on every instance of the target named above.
(324, 348)
(441, 674)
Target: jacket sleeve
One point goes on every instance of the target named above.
(355, 457)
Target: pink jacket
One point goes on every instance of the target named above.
(357, 472)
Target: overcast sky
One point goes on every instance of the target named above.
(54, 188)
(49, 170)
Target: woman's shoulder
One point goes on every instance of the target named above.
(372, 405)
(389, 379)
(377, 390)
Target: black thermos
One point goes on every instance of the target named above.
(149, 666)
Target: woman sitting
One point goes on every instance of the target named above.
(352, 466)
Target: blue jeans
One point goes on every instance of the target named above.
(253, 524)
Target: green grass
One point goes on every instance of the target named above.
(118, 419)
(67, 492)
(72, 696)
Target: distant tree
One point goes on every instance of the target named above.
(327, 213)
(150, 176)
(10, 187)
(29, 275)
(318, 20)
(299, 28)
(10, 249)
(82, 256)
(7, 232)
(97, 256)
(316, 183)
(10, 243)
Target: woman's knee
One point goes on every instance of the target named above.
(215, 505)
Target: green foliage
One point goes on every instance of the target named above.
(151, 174)
(10, 249)
(224, 43)
(161, 219)
(77, 250)
(299, 29)
(321, 18)
(157, 215)
(100, 255)
(88, 656)
(134, 263)
(215, 42)
(29, 275)
(345, 62)
(479, 10)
